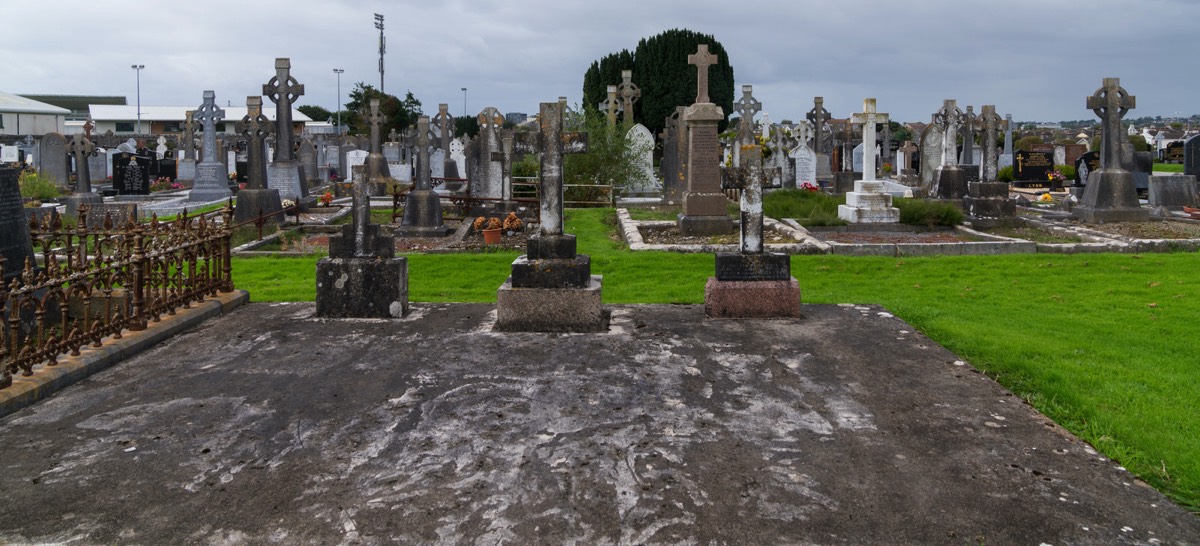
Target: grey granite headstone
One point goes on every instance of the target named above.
(52, 154)
(931, 154)
(486, 168)
(307, 154)
(1173, 191)
(15, 244)
(211, 183)
(1191, 156)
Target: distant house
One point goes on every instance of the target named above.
(158, 120)
(22, 116)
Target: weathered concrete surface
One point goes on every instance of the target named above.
(844, 427)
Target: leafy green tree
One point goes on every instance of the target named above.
(611, 158)
(661, 71)
(316, 113)
(399, 114)
(1027, 143)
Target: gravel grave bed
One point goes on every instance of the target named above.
(893, 237)
(1150, 230)
(672, 236)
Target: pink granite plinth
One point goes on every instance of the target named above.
(752, 299)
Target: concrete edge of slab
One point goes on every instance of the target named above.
(47, 380)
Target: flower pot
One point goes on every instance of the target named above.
(491, 236)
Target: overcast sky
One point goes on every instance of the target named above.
(1034, 59)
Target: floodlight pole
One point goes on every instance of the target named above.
(137, 68)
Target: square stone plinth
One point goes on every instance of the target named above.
(550, 309)
(752, 299)
(362, 287)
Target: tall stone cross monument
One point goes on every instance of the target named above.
(551, 287)
(1111, 194)
(951, 181)
(81, 147)
(868, 204)
(868, 118)
(703, 203)
(630, 93)
(610, 105)
(256, 198)
(969, 122)
(751, 283)
(445, 127)
(423, 206)
(376, 166)
(211, 183)
(988, 198)
(746, 107)
(284, 173)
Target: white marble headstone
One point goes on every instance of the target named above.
(355, 158)
(642, 142)
(458, 156)
(857, 156)
(806, 164)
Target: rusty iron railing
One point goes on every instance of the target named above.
(99, 282)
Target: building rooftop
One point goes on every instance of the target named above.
(18, 104)
(115, 112)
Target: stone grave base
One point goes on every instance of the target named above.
(765, 266)
(423, 208)
(988, 200)
(751, 299)
(422, 231)
(250, 202)
(362, 287)
(74, 200)
(705, 225)
(867, 204)
(951, 183)
(551, 309)
(1110, 196)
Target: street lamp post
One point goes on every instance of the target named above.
(464, 90)
(382, 48)
(137, 68)
(339, 72)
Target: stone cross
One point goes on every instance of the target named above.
(749, 178)
(375, 119)
(1110, 103)
(445, 125)
(630, 93)
(1008, 130)
(906, 151)
(868, 118)
(88, 126)
(702, 59)
(424, 173)
(818, 116)
(392, 135)
(255, 127)
(949, 118)
(968, 153)
(553, 143)
(208, 114)
(283, 90)
(610, 105)
(81, 147)
(746, 107)
(189, 135)
(505, 157)
(990, 123)
(803, 133)
(885, 149)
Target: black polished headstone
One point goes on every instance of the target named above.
(131, 175)
(1033, 167)
(1087, 163)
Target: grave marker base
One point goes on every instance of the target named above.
(368, 287)
(551, 309)
(752, 299)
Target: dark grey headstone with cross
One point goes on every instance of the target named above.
(255, 126)
(990, 123)
(1111, 192)
(422, 205)
(630, 93)
(968, 124)
(376, 166)
(444, 122)
(284, 173)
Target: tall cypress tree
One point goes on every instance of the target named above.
(661, 70)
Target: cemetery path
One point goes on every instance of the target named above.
(268, 425)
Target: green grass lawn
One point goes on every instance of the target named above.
(1168, 167)
(1105, 345)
